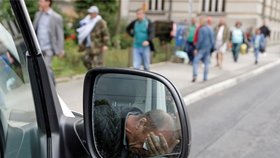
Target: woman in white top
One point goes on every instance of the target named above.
(237, 37)
(222, 37)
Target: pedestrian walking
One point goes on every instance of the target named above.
(190, 47)
(237, 37)
(222, 36)
(93, 38)
(266, 32)
(48, 26)
(203, 47)
(209, 24)
(141, 29)
(180, 36)
(195, 39)
(258, 43)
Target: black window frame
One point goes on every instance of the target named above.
(65, 135)
(45, 99)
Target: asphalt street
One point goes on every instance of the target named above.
(240, 122)
(72, 94)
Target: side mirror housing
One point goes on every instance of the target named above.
(134, 113)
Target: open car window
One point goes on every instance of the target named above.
(19, 130)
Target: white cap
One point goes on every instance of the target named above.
(93, 9)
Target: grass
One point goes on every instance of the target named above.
(72, 64)
(117, 58)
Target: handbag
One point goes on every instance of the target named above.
(243, 48)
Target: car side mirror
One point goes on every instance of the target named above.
(131, 113)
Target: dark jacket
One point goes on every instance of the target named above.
(265, 31)
(109, 126)
(151, 32)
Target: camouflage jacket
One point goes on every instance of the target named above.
(99, 37)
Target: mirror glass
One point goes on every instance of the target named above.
(134, 116)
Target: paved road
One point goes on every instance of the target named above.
(72, 94)
(241, 122)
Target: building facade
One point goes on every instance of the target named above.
(250, 12)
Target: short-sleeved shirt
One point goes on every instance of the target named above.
(191, 34)
(140, 33)
(237, 36)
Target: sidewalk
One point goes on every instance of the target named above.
(181, 75)
(219, 79)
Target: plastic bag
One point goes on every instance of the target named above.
(181, 54)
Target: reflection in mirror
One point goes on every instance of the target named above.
(134, 116)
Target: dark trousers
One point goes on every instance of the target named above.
(235, 51)
(190, 47)
(91, 60)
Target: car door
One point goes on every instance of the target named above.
(23, 132)
(33, 122)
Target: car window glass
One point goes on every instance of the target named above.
(17, 112)
(132, 115)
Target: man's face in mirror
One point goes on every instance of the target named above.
(139, 128)
(136, 133)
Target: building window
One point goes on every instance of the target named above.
(156, 5)
(213, 6)
(203, 6)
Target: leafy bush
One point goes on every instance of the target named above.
(122, 40)
(71, 63)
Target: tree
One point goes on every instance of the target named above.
(32, 7)
(118, 18)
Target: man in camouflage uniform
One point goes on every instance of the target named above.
(93, 38)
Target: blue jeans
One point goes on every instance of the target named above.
(204, 55)
(235, 51)
(141, 55)
(257, 52)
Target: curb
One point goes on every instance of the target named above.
(208, 91)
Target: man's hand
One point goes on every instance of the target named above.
(159, 146)
(229, 45)
(145, 43)
(104, 48)
(61, 54)
(195, 52)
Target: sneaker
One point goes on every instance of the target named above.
(256, 62)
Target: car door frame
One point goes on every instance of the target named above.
(55, 126)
